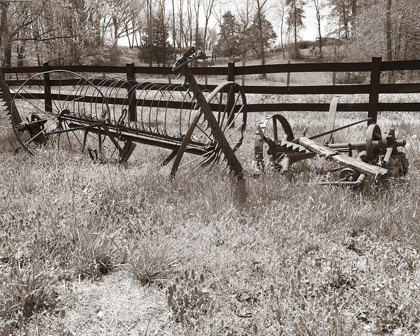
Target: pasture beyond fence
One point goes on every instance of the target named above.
(375, 68)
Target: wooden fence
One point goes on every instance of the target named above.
(376, 67)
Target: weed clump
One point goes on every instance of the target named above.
(187, 298)
(24, 291)
(152, 260)
(94, 253)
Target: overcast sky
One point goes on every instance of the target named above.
(308, 33)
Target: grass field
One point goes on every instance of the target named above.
(100, 249)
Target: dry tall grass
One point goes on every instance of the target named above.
(270, 257)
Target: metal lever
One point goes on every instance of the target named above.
(187, 58)
(189, 52)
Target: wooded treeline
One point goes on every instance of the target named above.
(72, 32)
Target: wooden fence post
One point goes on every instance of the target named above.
(375, 81)
(231, 99)
(132, 101)
(231, 71)
(288, 76)
(47, 89)
(8, 99)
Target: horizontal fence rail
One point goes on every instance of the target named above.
(373, 89)
(321, 107)
(239, 70)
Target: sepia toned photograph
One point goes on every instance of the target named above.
(209, 167)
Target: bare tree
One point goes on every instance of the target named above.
(208, 7)
(319, 5)
(149, 16)
(244, 10)
(295, 20)
(261, 8)
(282, 14)
(189, 34)
(343, 14)
(16, 20)
(197, 4)
(173, 24)
(133, 24)
(121, 12)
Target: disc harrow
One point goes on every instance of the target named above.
(107, 117)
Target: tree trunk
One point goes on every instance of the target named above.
(354, 16)
(197, 18)
(149, 31)
(281, 32)
(243, 62)
(295, 33)
(133, 35)
(21, 54)
(3, 30)
(388, 31)
(318, 19)
(8, 54)
(260, 30)
(320, 36)
(181, 25)
(389, 37)
(115, 24)
(345, 23)
(127, 32)
(173, 24)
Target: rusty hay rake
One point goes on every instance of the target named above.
(107, 117)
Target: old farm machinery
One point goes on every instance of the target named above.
(377, 156)
(107, 117)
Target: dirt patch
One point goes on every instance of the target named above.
(117, 305)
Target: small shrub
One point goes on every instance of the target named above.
(305, 44)
(351, 78)
(114, 55)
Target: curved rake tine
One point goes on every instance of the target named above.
(174, 89)
(191, 101)
(206, 134)
(234, 131)
(160, 91)
(124, 84)
(226, 105)
(233, 121)
(193, 160)
(146, 90)
(210, 159)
